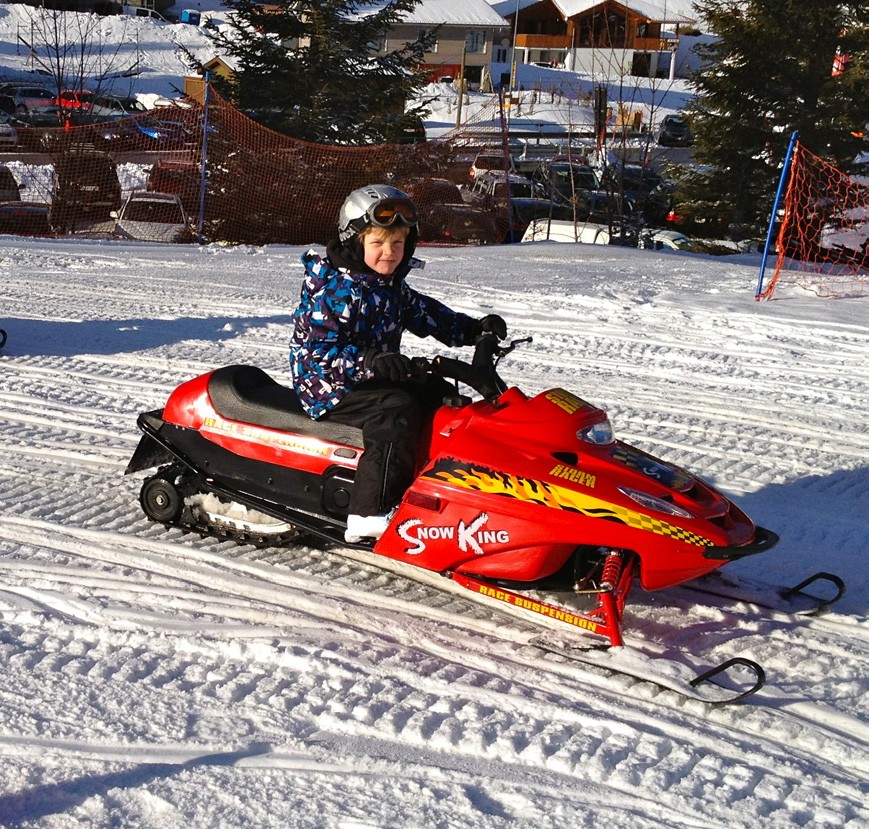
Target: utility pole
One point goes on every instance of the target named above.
(461, 85)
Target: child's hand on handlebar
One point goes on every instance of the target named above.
(492, 324)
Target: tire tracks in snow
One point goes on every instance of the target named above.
(545, 688)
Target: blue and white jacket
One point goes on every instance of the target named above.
(343, 314)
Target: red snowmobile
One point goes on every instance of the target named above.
(514, 495)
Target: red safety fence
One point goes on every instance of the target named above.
(823, 235)
(255, 186)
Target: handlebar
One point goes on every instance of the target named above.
(480, 374)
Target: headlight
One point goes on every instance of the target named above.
(651, 502)
(600, 434)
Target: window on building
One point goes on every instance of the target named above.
(475, 42)
(434, 45)
(377, 44)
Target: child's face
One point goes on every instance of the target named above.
(384, 249)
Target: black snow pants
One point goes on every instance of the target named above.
(392, 417)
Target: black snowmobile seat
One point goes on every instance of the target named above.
(248, 395)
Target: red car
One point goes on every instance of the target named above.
(79, 99)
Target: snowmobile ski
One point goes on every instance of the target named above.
(796, 600)
(667, 673)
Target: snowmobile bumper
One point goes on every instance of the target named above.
(763, 540)
(149, 452)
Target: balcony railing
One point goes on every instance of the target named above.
(654, 44)
(542, 42)
(640, 44)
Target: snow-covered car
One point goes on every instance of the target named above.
(152, 217)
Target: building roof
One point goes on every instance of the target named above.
(445, 13)
(664, 11)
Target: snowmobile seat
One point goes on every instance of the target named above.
(248, 395)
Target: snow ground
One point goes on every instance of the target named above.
(152, 679)
(155, 679)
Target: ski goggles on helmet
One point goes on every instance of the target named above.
(386, 212)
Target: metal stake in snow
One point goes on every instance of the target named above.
(206, 81)
(781, 186)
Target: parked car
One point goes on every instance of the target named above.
(546, 230)
(86, 190)
(10, 189)
(8, 133)
(643, 188)
(675, 131)
(496, 190)
(666, 240)
(404, 129)
(490, 161)
(25, 218)
(152, 217)
(141, 11)
(75, 99)
(565, 180)
(578, 186)
(494, 187)
(26, 97)
(144, 132)
(445, 217)
(117, 106)
(179, 177)
(39, 127)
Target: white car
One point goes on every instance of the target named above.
(152, 217)
(561, 230)
(669, 240)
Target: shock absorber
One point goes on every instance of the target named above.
(612, 569)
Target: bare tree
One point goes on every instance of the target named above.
(68, 48)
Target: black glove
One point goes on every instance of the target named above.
(494, 324)
(385, 365)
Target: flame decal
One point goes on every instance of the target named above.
(467, 476)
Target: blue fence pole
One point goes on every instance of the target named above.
(202, 164)
(781, 186)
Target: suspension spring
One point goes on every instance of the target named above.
(612, 569)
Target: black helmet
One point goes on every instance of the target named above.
(374, 204)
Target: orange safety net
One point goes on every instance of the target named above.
(823, 237)
(260, 187)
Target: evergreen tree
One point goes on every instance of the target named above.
(770, 73)
(308, 68)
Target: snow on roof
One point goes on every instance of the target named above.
(427, 12)
(446, 13)
(667, 11)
